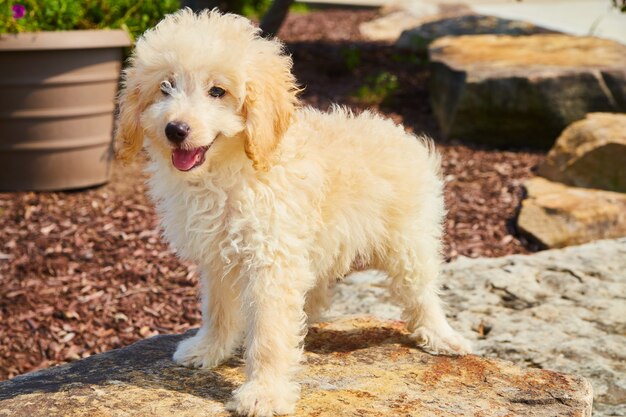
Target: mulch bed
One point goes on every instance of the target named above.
(85, 272)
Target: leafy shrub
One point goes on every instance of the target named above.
(250, 8)
(41, 15)
(254, 9)
(378, 89)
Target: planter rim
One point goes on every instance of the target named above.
(67, 39)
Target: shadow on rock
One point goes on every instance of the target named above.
(146, 364)
(321, 340)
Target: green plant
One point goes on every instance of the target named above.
(44, 15)
(378, 89)
(299, 8)
(621, 4)
(254, 8)
(251, 8)
(352, 57)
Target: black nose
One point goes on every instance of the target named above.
(177, 131)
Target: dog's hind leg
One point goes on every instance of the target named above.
(317, 301)
(222, 326)
(413, 267)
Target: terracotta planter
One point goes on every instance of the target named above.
(57, 92)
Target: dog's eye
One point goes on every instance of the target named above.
(217, 92)
(166, 87)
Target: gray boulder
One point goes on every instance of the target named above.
(560, 309)
(406, 15)
(419, 37)
(522, 91)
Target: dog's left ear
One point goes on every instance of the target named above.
(269, 105)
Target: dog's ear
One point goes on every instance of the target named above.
(129, 132)
(269, 104)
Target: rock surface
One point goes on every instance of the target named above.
(354, 367)
(418, 38)
(388, 28)
(400, 17)
(556, 215)
(590, 153)
(561, 309)
(523, 90)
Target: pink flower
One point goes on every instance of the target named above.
(18, 11)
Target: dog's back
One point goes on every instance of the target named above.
(372, 182)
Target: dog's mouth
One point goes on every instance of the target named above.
(187, 159)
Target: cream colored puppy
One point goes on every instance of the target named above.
(275, 202)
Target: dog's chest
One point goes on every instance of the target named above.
(195, 218)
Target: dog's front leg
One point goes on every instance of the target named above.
(273, 304)
(221, 329)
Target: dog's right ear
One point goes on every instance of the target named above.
(129, 132)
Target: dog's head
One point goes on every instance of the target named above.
(195, 79)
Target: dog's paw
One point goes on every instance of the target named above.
(255, 400)
(198, 352)
(447, 342)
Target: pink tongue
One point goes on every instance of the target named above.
(184, 160)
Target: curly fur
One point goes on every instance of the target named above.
(286, 201)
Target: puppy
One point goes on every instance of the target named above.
(274, 201)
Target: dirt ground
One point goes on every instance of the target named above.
(86, 271)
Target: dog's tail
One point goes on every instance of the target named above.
(433, 155)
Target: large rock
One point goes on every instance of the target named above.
(560, 309)
(418, 38)
(522, 91)
(590, 153)
(387, 28)
(400, 17)
(357, 367)
(556, 215)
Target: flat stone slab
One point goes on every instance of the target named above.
(522, 91)
(562, 309)
(590, 153)
(556, 215)
(354, 367)
(419, 37)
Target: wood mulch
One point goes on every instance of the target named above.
(86, 271)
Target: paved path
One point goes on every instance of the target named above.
(576, 17)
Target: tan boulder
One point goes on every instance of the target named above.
(523, 91)
(388, 28)
(556, 215)
(354, 367)
(590, 153)
(399, 17)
